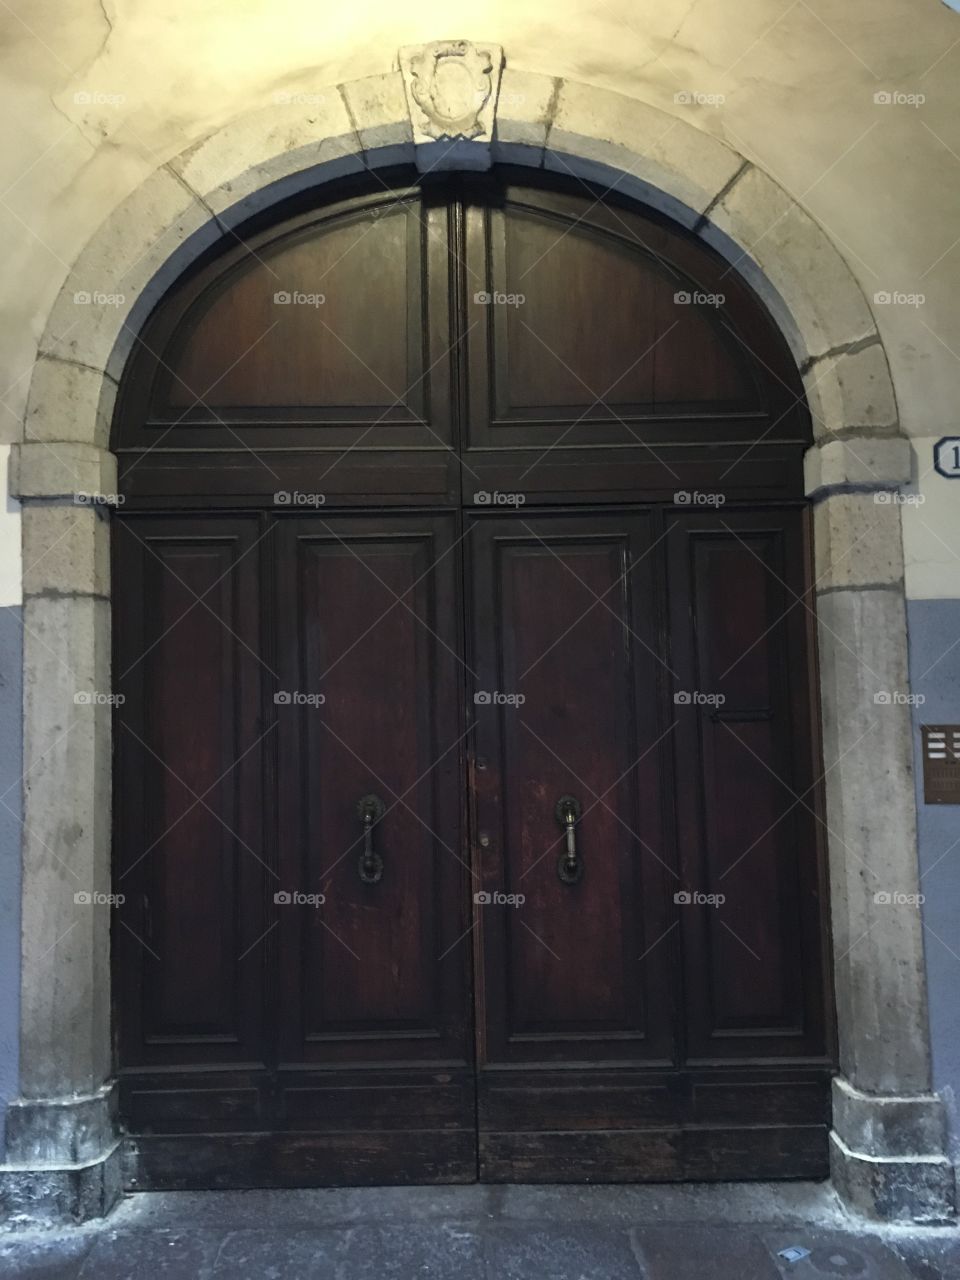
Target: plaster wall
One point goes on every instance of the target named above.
(97, 95)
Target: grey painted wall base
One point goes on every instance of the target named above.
(935, 678)
(887, 1156)
(60, 1195)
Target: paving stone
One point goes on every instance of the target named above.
(55, 1257)
(157, 1255)
(930, 1259)
(658, 1203)
(278, 1255)
(480, 1233)
(317, 1207)
(516, 1253)
(693, 1253)
(235, 1210)
(835, 1254)
(415, 1250)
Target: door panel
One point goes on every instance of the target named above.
(337, 318)
(368, 704)
(565, 617)
(323, 341)
(555, 603)
(189, 847)
(746, 794)
(547, 369)
(367, 629)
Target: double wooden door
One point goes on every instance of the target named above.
(465, 848)
(466, 783)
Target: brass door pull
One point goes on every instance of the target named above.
(570, 866)
(371, 810)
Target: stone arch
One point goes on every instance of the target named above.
(258, 159)
(888, 1140)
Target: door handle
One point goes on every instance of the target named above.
(370, 810)
(570, 866)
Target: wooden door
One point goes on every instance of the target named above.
(575, 992)
(621, 977)
(374, 1033)
(467, 785)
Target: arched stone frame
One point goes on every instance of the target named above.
(888, 1140)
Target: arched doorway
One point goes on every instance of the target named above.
(462, 538)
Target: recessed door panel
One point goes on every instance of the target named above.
(191, 855)
(746, 791)
(574, 942)
(368, 712)
(374, 1040)
(567, 707)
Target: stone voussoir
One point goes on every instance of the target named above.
(658, 154)
(270, 153)
(851, 389)
(798, 259)
(377, 107)
(524, 115)
(65, 399)
(127, 264)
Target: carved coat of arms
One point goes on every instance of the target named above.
(451, 89)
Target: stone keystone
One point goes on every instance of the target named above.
(452, 88)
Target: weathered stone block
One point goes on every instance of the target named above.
(851, 390)
(377, 106)
(66, 550)
(127, 265)
(62, 469)
(65, 996)
(870, 461)
(887, 1126)
(857, 540)
(523, 116)
(60, 1195)
(69, 402)
(799, 260)
(662, 152)
(451, 88)
(921, 1190)
(235, 171)
(71, 1130)
(871, 825)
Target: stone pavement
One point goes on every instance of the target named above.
(484, 1233)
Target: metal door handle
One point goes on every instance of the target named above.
(371, 810)
(570, 866)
